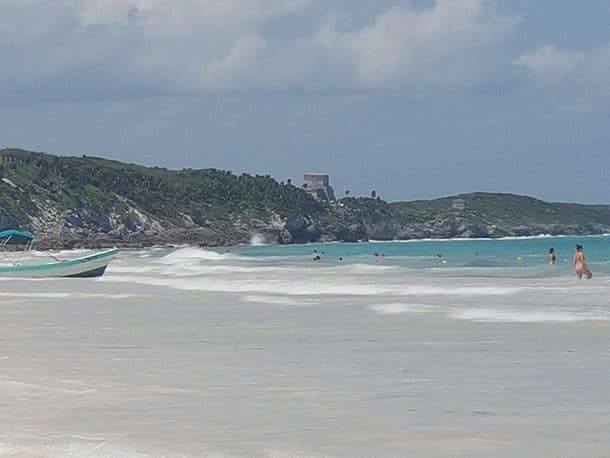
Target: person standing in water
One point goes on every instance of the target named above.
(552, 257)
(580, 264)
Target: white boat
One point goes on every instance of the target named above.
(91, 265)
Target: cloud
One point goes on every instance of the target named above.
(234, 45)
(583, 76)
(549, 64)
(231, 70)
(434, 45)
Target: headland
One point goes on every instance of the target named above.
(90, 202)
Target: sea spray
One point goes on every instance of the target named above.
(257, 240)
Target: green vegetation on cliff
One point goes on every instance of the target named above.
(505, 209)
(104, 194)
(88, 200)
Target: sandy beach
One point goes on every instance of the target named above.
(369, 363)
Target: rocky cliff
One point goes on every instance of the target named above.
(88, 201)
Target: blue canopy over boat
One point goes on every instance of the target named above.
(14, 236)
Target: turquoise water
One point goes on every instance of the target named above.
(519, 256)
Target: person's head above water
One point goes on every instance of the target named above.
(579, 248)
(552, 251)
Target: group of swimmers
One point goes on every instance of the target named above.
(579, 261)
(317, 257)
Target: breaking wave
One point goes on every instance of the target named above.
(191, 254)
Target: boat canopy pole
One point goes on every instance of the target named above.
(15, 260)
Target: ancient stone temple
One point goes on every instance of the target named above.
(318, 185)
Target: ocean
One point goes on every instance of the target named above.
(454, 348)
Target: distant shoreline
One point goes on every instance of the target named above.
(52, 244)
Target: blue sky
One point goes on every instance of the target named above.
(414, 99)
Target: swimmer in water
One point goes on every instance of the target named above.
(552, 257)
(580, 264)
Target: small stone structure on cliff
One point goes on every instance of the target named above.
(318, 185)
(459, 204)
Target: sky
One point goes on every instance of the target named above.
(411, 98)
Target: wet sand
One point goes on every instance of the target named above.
(121, 368)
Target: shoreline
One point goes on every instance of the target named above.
(104, 242)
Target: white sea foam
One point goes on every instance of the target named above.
(294, 288)
(487, 315)
(190, 269)
(396, 308)
(494, 315)
(184, 255)
(364, 268)
(279, 300)
(317, 286)
(217, 268)
(133, 269)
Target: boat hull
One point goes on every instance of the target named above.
(93, 265)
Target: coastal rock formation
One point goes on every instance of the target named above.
(92, 202)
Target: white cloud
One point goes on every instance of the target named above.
(211, 45)
(226, 71)
(549, 64)
(585, 75)
(430, 45)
